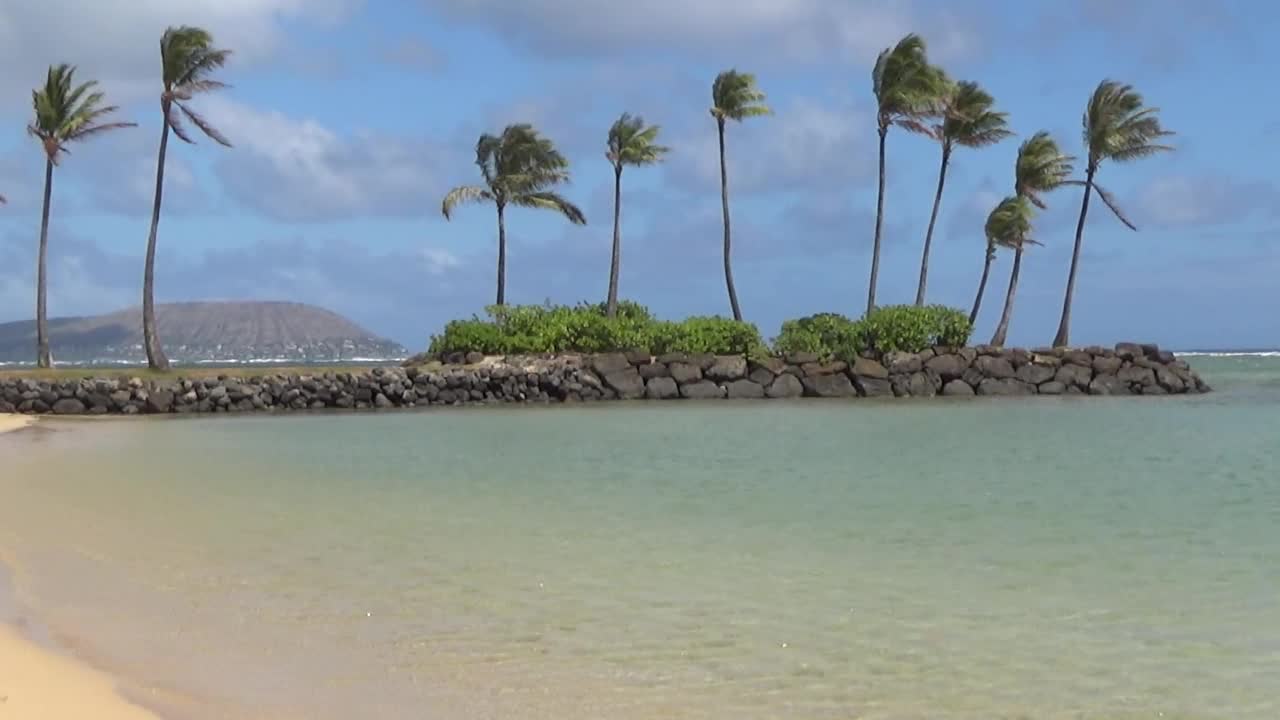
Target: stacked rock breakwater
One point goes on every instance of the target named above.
(1128, 369)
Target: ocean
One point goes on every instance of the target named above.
(953, 559)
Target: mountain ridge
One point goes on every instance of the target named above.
(236, 331)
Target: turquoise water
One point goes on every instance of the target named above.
(1053, 558)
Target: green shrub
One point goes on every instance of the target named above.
(830, 335)
(584, 328)
(908, 328)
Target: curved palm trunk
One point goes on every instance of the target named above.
(724, 204)
(1063, 338)
(875, 250)
(933, 220)
(1003, 328)
(502, 256)
(615, 265)
(156, 359)
(982, 285)
(44, 358)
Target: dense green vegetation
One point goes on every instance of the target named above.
(588, 328)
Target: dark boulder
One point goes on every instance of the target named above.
(785, 386)
(701, 390)
(661, 388)
(957, 388)
(744, 390)
(829, 386)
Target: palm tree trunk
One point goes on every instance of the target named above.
(1063, 338)
(502, 256)
(44, 358)
(982, 285)
(1003, 328)
(875, 250)
(614, 266)
(724, 204)
(933, 219)
(156, 359)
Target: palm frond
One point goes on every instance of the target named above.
(462, 195)
(88, 132)
(735, 96)
(1009, 224)
(1041, 167)
(968, 117)
(1111, 203)
(66, 112)
(204, 125)
(174, 121)
(631, 142)
(1118, 126)
(547, 200)
(906, 85)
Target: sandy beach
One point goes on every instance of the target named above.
(9, 422)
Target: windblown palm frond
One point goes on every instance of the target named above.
(1009, 224)
(463, 195)
(631, 142)
(67, 113)
(735, 96)
(546, 200)
(189, 59)
(968, 119)
(1041, 167)
(1119, 127)
(907, 88)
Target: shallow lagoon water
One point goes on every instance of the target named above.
(1037, 558)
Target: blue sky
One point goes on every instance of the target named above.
(351, 118)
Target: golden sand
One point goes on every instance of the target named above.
(9, 423)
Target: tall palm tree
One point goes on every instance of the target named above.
(986, 273)
(1010, 226)
(631, 142)
(908, 91)
(519, 168)
(734, 96)
(1117, 126)
(967, 121)
(64, 113)
(188, 59)
(1041, 167)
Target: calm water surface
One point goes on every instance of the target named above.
(1063, 558)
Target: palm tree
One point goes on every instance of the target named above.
(734, 96)
(188, 58)
(967, 121)
(1041, 167)
(64, 113)
(631, 142)
(519, 168)
(1119, 127)
(1010, 226)
(986, 273)
(908, 91)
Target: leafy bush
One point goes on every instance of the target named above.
(584, 328)
(903, 327)
(830, 335)
(907, 328)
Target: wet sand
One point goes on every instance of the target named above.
(9, 423)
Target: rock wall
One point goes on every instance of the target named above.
(1128, 369)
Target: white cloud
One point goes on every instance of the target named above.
(1186, 200)
(298, 169)
(116, 42)
(798, 30)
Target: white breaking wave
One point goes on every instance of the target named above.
(1229, 353)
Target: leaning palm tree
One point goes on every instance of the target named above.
(1010, 226)
(519, 168)
(908, 91)
(631, 142)
(64, 113)
(967, 121)
(1119, 127)
(188, 59)
(986, 273)
(734, 96)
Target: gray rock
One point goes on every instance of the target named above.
(1006, 387)
(785, 386)
(701, 390)
(1073, 375)
(967, 354)
(381, 401)
(627, 383)
(994, 367)
(676, 357)
(704, 361)
(606, 363)
(1129, 351)
(1018, 357)
(1053, 387)
(653, 370)
(68, 406)
(772, 365)
(1152, 390)
(684, 372)
(1135, 375)
(948, 366)
(661, 388)
(873, 387)
(761, 377)
(1035, 374)
(865, 367)
(829, 386)
(744, 390)
(831, 368)
(957, 388)
(973, 377)
(160, 401)
(639, 357)
(1108, 385)
(217, 392)
(1107, 365)
(1169, 381)
(801, 358)
(727, 368)
(923, 384)
(902, 363)
(1078, 357)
